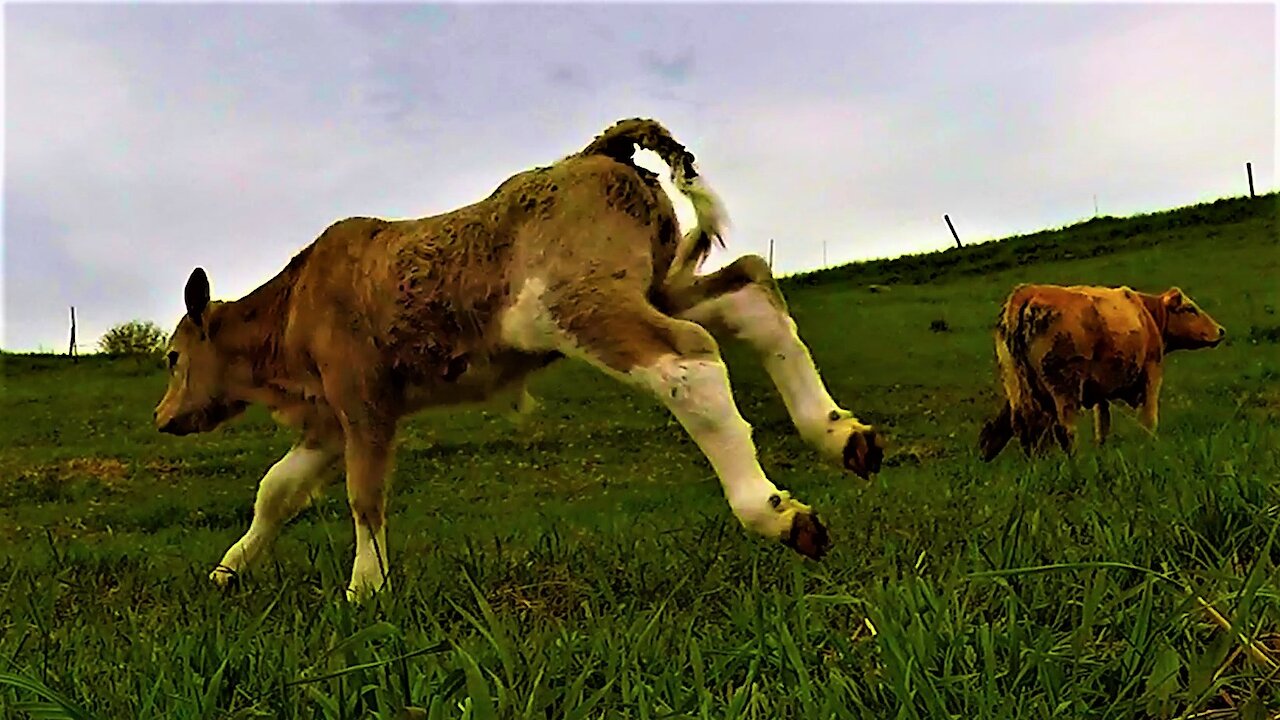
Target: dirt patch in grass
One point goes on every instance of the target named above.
(164, 468)
(1266, 400)
(53, 482)
(107, 470)
(916, 452)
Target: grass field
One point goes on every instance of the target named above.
(587, 565)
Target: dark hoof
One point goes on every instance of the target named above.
(225, 578)
(808, 536)
(863, 454)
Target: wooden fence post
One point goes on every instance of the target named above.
(953, 230)
(71, 349)
(1248, 169)
(770, 254)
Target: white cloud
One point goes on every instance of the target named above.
(143, 140)
(141, 189)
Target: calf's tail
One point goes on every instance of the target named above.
(1029, 412)
(619, 142)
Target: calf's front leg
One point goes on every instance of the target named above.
(366, 410)
(284, 491)
(369, 455)
(1149, 413)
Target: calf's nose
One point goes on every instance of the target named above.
(166, 426)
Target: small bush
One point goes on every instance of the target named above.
(136, 337)
(940, 325)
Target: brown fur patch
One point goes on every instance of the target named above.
(630, 195)
(627, 337)
(1063, 367)
(745, 271)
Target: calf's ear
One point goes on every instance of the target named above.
(1173, 297)
(196, 295)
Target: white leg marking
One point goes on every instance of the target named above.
(368, 572)
(518, 405)
(752, 316)
(698, 394)
(285, 490)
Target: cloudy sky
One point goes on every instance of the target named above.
(142, 140)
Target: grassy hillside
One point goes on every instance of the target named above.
(588, 566)
(1103, 235)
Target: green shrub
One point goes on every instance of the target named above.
(136, 337)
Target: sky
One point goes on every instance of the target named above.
(142, 140)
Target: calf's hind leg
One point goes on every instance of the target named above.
(1101, 421)
(679, 362)
(1064, 430)
(742, 301)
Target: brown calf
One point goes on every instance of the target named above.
(1061, 349)
(378, 319)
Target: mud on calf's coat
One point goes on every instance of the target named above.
(378, 319)
(1064, 349)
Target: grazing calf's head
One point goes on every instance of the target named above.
(1187, 327)
(196, 400)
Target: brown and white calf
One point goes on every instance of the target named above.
(378, 319)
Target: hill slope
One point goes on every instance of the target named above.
(1104, 235)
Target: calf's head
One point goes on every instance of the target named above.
(200, 373)
(1187, 327)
